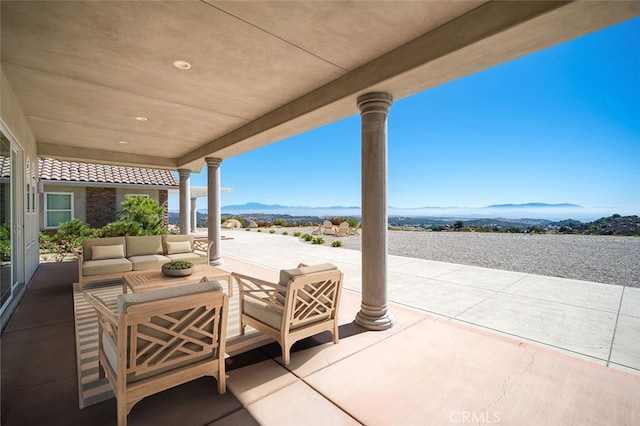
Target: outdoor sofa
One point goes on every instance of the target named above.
(102, 259)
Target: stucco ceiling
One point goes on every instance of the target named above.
(260, 71)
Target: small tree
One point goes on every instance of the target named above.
(144, 212)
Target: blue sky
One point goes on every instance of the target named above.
(558, 126)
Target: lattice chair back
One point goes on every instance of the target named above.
(303, 303)
(160, 339)
(312, 298)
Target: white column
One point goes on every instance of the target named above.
(213, 207)
(185, 197)
(374, 313)
(194, 216)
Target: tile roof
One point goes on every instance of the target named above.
(56, 170)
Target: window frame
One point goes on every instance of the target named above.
(47, 210)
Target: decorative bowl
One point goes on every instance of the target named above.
(177, 272)
(177, 268)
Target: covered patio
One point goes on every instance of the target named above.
(184, 85)
(428, 369)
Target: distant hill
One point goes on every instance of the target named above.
(612, 225)
(529, 205)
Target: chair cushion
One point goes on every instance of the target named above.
(105, 266)
(287, 275)
(108, 252)
(130, 299)
(262, 312)
(176, 247)
(143, 245)
(89, 243)
(150, 261)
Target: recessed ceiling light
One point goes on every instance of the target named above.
(123, 142)
(141, 118)
(183, 65)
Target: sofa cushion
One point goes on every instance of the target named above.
(149, 261)
(89, 243)
(176, 247)
(106, 266)
(143, 245)
(195, 258)
(108, 252)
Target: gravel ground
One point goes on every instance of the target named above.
(603, 259)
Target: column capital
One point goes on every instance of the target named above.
(213, 161)
(184, 172)
(374, 102)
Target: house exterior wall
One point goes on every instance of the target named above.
(97, 206)
(100, 206)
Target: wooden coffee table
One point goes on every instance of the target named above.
(154, 279)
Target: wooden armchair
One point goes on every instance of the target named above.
(304, 303)
(160, 339)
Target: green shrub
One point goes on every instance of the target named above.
(272, 231)
(285, 233)
(297, 234)
(280, 222)
(248, 229)
(317, 240)
(120, 229)
(69, 235)
(307, 237)
(336, 243)
(259, 230)
(353, 223)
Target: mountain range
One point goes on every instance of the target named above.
(534, 210)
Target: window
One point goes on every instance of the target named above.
(58, 208)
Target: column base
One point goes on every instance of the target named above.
(378, 323)
(216, 262)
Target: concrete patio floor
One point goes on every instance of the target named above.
(470, 346)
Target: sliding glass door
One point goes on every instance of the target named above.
(7, 275)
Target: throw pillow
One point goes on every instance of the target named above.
(175, 247)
